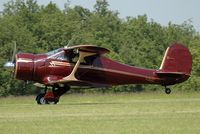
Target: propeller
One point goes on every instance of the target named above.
(14, 52)
(10, 65)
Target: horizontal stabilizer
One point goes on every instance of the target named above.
(170, 74)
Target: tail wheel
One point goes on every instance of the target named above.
(167, 90)
(40, 99)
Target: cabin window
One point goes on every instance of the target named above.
(89, 60)
(54, 52)
(72, 57)
(61, 56)
(86, 61)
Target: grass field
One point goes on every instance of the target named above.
(139, 113)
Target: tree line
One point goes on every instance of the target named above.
(133, 40)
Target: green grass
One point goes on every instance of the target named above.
(140, 113)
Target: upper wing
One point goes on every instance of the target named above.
(88, 48)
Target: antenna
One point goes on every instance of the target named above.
(70, 42)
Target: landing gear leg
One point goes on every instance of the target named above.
(51, 97)
(59, 91)
(167, 90)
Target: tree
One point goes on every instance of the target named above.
(101, 7)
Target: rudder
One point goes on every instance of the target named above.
(177, 58)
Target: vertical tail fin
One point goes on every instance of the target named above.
(177, 59)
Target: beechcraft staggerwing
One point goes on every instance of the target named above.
(86, 65)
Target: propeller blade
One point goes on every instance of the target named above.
(10, 65)
(14, 52)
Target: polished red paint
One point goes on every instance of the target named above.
(24, 68)
(102, 71)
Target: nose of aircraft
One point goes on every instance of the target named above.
(21, 66)
(10, 65)
(24, 66)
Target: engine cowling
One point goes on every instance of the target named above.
(24, 67)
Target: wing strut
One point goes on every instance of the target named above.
(72, 77)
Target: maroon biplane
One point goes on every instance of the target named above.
(86, 65)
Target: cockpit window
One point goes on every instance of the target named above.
(70, 56)
(54, 51)
(60, 56)
(86, 61)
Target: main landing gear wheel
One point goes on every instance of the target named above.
(167, 90)
(51, 97)
(40, 99)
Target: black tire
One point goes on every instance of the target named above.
(40, 99)
(167, 90)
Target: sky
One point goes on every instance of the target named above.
(161, 11)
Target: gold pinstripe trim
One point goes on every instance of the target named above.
(26, 60)
(59, 63)
(105, 69)
(119, 72)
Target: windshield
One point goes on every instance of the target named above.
(54, 51)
